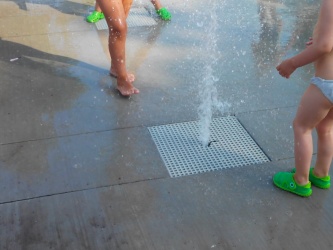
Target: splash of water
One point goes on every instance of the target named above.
(208, 93)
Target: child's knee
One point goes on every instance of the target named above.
(117, 25)
(323, 129)
(300, 127)
(119, 29)
(296, 124)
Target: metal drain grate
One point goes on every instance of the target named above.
(183, 154)
(137, 17)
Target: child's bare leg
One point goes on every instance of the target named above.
(97, 7)
(156, 4)
(115, 17)
(313, 108)
(126, 3)
(127, 6)
(325, 146)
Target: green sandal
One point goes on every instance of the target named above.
(286, 181)
(320, 182)
(164, 14)
(95, 17)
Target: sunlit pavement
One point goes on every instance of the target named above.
(78, 166)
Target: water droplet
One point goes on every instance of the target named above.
(200, 24)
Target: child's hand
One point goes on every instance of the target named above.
(309, 42)
(286, 68)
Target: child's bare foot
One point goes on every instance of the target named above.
(126, 87)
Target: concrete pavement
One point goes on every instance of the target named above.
(78, 166)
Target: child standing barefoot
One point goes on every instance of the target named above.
(115, 12)
(315, 110)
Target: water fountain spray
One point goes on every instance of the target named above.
(208, 93)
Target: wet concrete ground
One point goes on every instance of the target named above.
(78, 167)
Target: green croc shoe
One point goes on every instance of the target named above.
(164, 14)
(320, 182)
(285, 181)
(95, 17)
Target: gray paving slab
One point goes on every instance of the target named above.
(233, 209)
(78, 167)
(275, 125)
(68, 164)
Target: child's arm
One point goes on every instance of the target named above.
(321, 46)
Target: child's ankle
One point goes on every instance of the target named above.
(319, 173)
(301, 181)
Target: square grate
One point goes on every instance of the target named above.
(183, 154)
(137, 17)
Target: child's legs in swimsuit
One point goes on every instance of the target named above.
(115, 17)
(313, 108)
(126, 8)
(325, 145)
